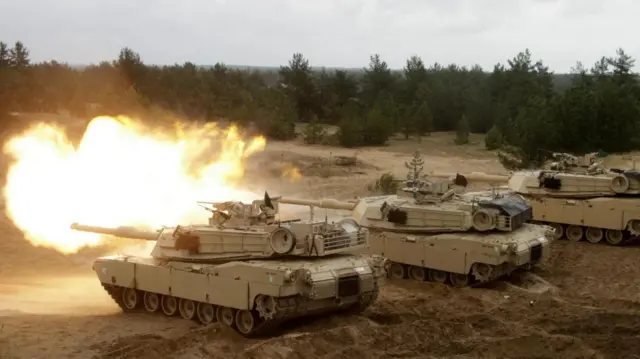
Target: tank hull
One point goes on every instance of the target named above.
(253, 297)
(613, 220)
(604, 219)
(461, 259)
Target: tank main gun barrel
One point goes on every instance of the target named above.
(327, 203)
(123, 232)
(472, 177)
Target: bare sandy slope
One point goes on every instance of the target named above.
(577, 306)
(583, 303)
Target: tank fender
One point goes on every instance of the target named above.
(279, 284)
(116, 272)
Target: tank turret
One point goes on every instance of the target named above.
(430, 207)
(244, 268)
(604, 182)
(611, 182)
(430, 231)
(205, 243)
(595, 205)
(470, 177)
(244, 231)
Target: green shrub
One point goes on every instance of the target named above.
(386, 184)
(493, 140)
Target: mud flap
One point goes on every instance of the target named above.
(535, 253)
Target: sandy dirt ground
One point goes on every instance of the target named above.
(584, 302)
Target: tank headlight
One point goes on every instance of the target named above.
(504, 248)
(550, 233)
(305, 274)
(378, 264)
(377, 261)
(290, 276)
(384, 263)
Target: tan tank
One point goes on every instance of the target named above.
(428, 231)
(601, 205)
(244, 269)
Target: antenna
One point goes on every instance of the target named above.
(326, 215)
(281, 168)
(278, 216)
(633, 160)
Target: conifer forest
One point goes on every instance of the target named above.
(521, 105)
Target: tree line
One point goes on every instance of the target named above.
(518, 104)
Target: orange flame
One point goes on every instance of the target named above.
(121, 173)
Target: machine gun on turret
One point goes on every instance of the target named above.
(235, 213)
(567, 162)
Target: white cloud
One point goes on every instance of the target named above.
(328, 32)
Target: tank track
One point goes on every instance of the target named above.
(117, 293)
(593, 235)
(480, 274)
(124, 298)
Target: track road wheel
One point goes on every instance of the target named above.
(226, 316)
(206, 313)
(634, 227)
(459, 280)
(614, 237)
(482, 272)
(437, 276)
(558, 230)
(169, 305)
(417, 273)
(594, 235)
(151, 302)
(574, 233)
(131, 299)
(187, 308)
(397, 271)
(246, 322)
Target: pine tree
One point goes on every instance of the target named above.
(314, 133)
(5, 55)
(19, 55)
(415, 167)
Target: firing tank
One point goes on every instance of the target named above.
(427, 231)
(595, 205)
(244, 269)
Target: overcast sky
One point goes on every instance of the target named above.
(340, 33)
